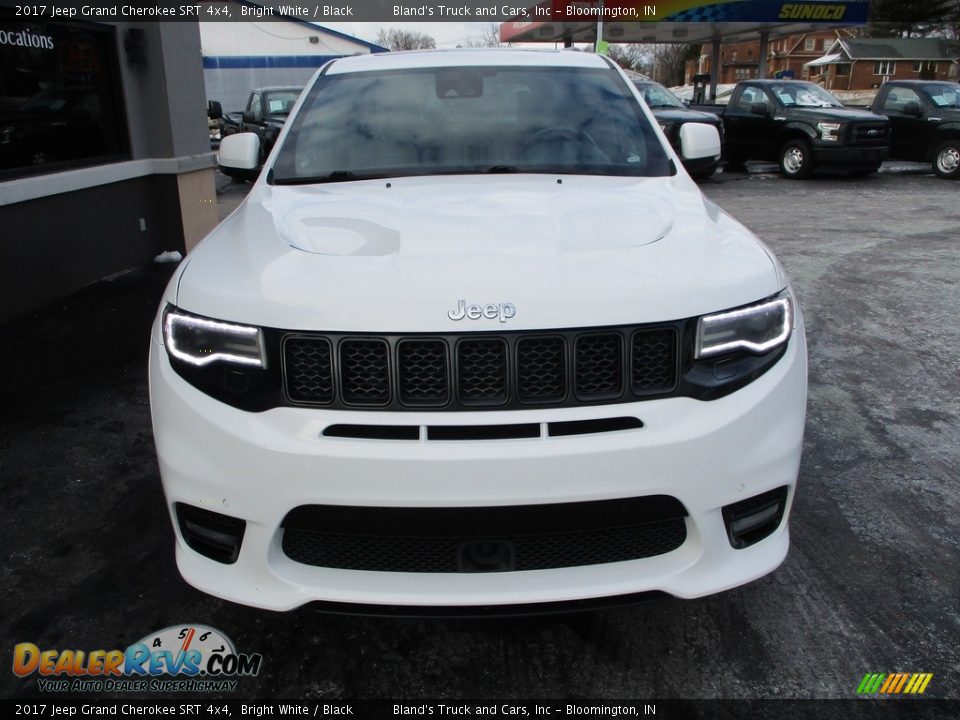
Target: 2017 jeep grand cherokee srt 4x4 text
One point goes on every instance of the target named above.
(476, 339)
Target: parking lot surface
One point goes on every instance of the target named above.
(870, 584)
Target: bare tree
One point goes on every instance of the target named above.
(668, 63)
(627, 55)
(396, 39)
(913, 18)
(490, 37)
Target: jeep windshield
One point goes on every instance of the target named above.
(466, 120)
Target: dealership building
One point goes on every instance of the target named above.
(105, 157)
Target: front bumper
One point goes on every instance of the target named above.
(260, 466)
(855, 156)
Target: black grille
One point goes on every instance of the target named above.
(599, 362)
(653, 360)
(482, 366)
(444, 540)
(422, 371)
(365, 371)
(870, 133)
(541, 370)
(482, 370)
(309, 370)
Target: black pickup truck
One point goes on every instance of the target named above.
(924, 122)
(266, 112)
(801, 126)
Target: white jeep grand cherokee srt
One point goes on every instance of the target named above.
(473, 341)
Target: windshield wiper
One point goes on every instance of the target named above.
(502, 169)
(335, 176)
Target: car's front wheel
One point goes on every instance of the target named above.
(946, 159)
(796, 159)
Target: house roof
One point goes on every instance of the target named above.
(897, 48)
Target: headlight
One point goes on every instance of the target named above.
(756, 328)
(829, 131)
(200, 341)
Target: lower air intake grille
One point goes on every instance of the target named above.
(449, 540)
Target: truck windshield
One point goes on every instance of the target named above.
(657, 96)
(804, 95)
(460, 120)
(280, 102)
(944, 94)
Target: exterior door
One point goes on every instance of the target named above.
(910, 134)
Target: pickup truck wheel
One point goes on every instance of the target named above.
(946, 159)
(796, 159)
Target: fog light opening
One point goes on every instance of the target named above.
(750, 521)
(211, 534)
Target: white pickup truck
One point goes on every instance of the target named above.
(475, 341)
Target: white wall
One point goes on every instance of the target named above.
(271, 38)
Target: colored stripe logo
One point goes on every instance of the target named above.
(894, 683)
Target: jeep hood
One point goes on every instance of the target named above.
(396, 255)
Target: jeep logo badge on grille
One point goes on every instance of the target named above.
(504, 311)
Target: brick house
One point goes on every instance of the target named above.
(865, 63)
(741, 61)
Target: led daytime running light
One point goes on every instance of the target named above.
(243, 331)
(742, 343)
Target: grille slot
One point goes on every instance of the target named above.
(422, 372)
(541, 370)
(483, 371)
(309, 371)
(653, 361)
(599, 366)
(365, 372)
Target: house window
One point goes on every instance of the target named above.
(60, 97)
(924, 66)
(810, 44)
(843, 70)
(884, 67)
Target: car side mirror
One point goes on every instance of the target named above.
(699, 140)
(248, 116)
(759, 109)
(239, 152)
(214, 110)
(912, 108)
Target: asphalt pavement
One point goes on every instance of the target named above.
(871, 584)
